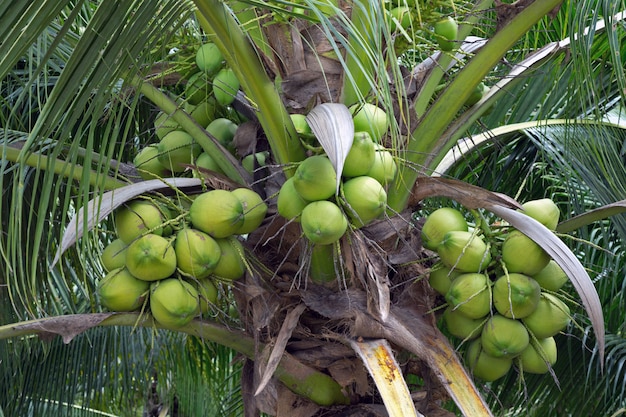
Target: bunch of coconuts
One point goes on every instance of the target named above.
(310, 198)
(209, 92)
(172, 264)
(501, 291)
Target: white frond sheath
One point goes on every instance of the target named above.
(564, 257)
(378, 358)
(98, 208)
(332, 125)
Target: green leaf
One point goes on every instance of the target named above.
(444, 109)
(591, 216)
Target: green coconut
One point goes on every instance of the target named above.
(478, 93)
(464, 251)
(440, 278)
(137, 218)
(206, 162)
(550, 317)
(539, 356)
(446, 32)
(174, 302)
(150, 258)
(197, 253)
(521, 254)
(399, 17)
(364, 200)
(440, 222)
(178, 149)
(503, 337)
(203, 112)
(164, 124)
(254, 210)
(384, 168)
(208, 293)
(217, 212)
(231, 265)
(552, 277)
(370, 118)
(225, 86)
(114, 255)
(483, 365)
(289, 202)
(323, 222)
(252, 162)
(315, 178)
(119, 290)
(148, 165)
(544, 210)
(360, 156)
(461, 326)
(223, 130)
(470, 295)
(209, 58)
(197, 88)
(516, 295)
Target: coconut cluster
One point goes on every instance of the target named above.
(209, 92)
(174, 264)
(309, 196)
(501, 291)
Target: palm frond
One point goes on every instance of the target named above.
(84, 117)
(53, 376)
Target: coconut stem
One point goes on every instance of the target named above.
(481, 222)
(298, 377)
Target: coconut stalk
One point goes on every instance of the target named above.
(61, 167)
(301, 379)
(222, 157)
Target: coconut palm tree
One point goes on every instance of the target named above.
(81, 95)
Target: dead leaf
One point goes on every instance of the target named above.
(68, 327)
(381, 363)
(471, 196)
(305, 88)
(292, 405)
(246, 137)
(290, 323)
(370, 269)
